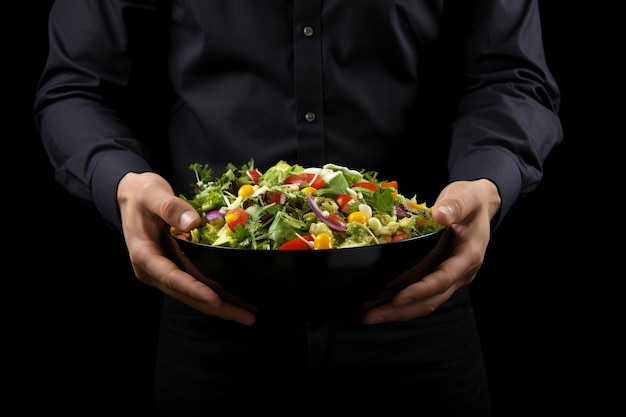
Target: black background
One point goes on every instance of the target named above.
(80, 330)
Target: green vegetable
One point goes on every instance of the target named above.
(358, 235)
(278, 212)
(276, 174)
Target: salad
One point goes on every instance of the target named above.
(290, 207)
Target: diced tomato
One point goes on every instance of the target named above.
(277, 197)
(254, 175)
(337, 219)
(365, 184)
(180, 233)
(183, 236)
(342, 201)
(236, 216)
(297, 243)
(313, 180)
(401, 235)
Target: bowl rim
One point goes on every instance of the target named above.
(351, 248)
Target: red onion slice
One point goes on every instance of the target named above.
(321, 216)
(214, 214)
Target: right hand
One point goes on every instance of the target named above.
(147, 206)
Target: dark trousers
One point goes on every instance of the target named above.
(431, 366)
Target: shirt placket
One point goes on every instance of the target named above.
(308, 82)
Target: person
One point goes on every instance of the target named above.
(454, 99)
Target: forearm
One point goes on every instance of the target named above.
(507, 120)
(82, 99)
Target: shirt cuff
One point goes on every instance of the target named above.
(106, 178)
(496, 166)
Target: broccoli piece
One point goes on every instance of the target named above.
(320, 227)
(358, 234)
(327, 204)
(407, 224)
(418, 226)
(208, 233)
(206, 200)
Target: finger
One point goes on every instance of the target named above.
(197, 295)
(153, 267)
(429, 286)
(389, 312)
(169, 279)
(427, 294)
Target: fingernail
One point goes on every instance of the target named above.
(187, 218)
(447, 211)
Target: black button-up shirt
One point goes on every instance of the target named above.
(422, 91)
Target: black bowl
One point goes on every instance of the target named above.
(310, 284)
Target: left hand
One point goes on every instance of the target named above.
(467, 207)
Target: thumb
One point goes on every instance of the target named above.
(451, 204)
(445, 213)
(180, 214)
(188, 220)
(150, 193)
(172, 209)
(461, 201)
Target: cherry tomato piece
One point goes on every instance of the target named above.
(297, 243)
(337, 219)
(254, 175)
(276, 197)
(342, 201)
(236, 216)
(401, 235)
(311, 180)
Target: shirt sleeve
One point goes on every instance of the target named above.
(79, 108)
(507, 116)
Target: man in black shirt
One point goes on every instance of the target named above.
(454, 98)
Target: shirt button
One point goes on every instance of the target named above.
(309, 117)
(308, 31)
